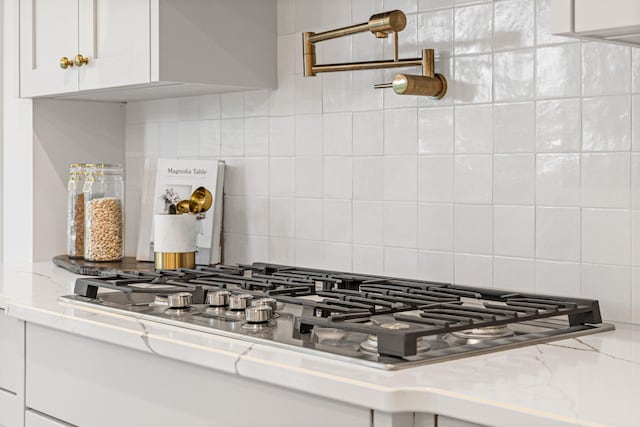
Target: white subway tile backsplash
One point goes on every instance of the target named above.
(558, 71)
(606, 236)
(514, 128)
(309, 130)
(256, 136)
(338, 176)
(514, 179)
(401, 262)
(473, 229)
(558, 234)
(513, 24)
(309, 219)
(435, 29)
(368, 223)
(337, 134)
(473, 79)
(473, 179)
(605, 180)
(558, 125)
(336, 256)
(369, 259)
(606, 123)
(543, 24)
(337, 221)
(281, 176)
(474, 129)
(435, 178)
(435, 130)
(400, 177)
(526, 175)
(514, 231)
(601, 61)
(635, 238)
(516, 274)
(401, 131)
(400, 224)
(282, 250)
(436, 266)
(558, 278)
(232, 137)
(472, 29)
(611, 286)
(282, 217)
(558, 180)
(474, 270)
(513, 75)
(635, 180)
(282, 136)
(368, 133)
(435, 227)
(368, 178)
(309, 176)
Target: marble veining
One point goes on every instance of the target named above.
(587, 381)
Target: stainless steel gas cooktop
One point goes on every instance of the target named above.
(383, 322)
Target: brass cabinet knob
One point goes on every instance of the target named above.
(80, 60)
(65, 63)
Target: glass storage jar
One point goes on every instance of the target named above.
(104, 212)
(75, 211)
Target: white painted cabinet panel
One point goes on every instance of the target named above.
(145, 49)
(11, 352)
(74, 379)
(48, 32)
(115, 35)
(614, 22)
(9, 409)
(33, 419)
(452, 422)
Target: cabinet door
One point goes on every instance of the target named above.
(34, 419)
(114, 35)
(48, 31)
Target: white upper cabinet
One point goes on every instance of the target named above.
(612, 21)
(122, 50)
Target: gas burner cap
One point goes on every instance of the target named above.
(179, 300)
(370, 345)
(476, 335)
(267, 302)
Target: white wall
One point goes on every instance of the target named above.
(526, 176)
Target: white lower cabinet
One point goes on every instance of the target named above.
(85, 382)
(11, 352)
(9, 409)
(34, 419)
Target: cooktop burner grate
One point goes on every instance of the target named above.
(398, 320)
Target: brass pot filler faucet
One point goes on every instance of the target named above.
(381, 25)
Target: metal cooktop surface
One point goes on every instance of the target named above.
(383, 322)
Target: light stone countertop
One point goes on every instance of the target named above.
(589, 381)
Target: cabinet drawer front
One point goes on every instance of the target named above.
(598, 15)
(71, 378)
(33, 419)
(9, 409)
(11, 352)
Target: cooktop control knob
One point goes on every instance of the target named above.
(258, 314)
(218, 298)
(179, 300)
(266, 302)
(239, 301)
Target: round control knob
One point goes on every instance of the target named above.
(218, 298)
(266, 302)
(179, 300)
(258, 314)
(239, 301)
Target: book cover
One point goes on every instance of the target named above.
(166, 182)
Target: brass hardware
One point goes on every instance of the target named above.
(80, 60)
(380, 25)
(174, 260)
(65, 63)
(406, 84)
